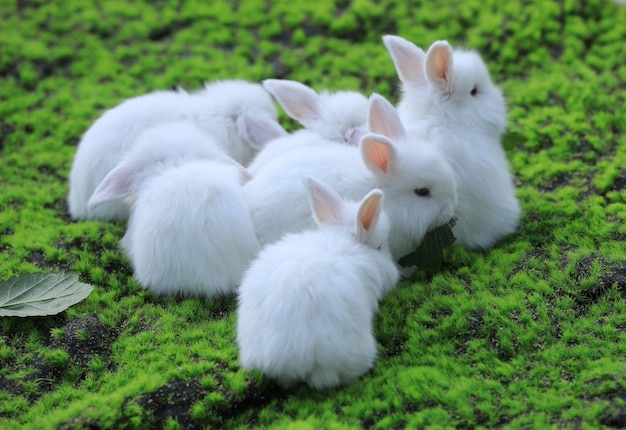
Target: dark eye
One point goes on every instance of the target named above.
(379, 248)
(474, 91)
(422, 192)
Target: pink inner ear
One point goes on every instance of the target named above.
(369, 210)
(304, 110)
(244, 175)
(377, 153)
(408, 59)
(299, 101)
(258, 128)
(326, 204)
(441, 62)
(383, 119)
(118, 184)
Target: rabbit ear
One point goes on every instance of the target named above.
(383, 119)
(408, 59)
(258, 128)
(244, 174)
(438, 65)
(326, 204)
(117, 184)
(299, 101)
(368, 214)
(379, 154)
(353, 135)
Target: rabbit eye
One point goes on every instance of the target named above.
(379, 248)
(474, 91)
(422, 192)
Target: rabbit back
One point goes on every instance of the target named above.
(104, 144)
(301, 139)
(239, 116)
(277, 196)
(487, 207)
(190, 232)
(306, 308)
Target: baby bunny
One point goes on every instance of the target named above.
(168, 144)
(190, 231)
(449, 97)
(328, 117)
(419, 185)
(333, 115)
(451, 86)
(240, 116)
(306, 304)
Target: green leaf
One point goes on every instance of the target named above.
(429, 255)
(38, 294)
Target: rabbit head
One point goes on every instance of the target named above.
(339, 116)
(454, 85)
(419, 185)
(246, 108)
(157, 148)
(366, 221)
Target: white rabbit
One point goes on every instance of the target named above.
(333, 115)
(452, 86)
(419, 185)
(167, 144)
(307, 302)
(449, 97)
(327, 117)
(190, 231)
(240, 116)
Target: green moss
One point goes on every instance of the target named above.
(7, 354)
(529, 334)
(172, 424)
(57, 358)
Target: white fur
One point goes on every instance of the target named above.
(190, 231)
(307, 303)
(437, 103)
(239, 116)
(385, 160)
(168, 144)
(328, 118)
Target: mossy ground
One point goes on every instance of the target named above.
(530, 334)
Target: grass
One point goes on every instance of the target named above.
(531, 334)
